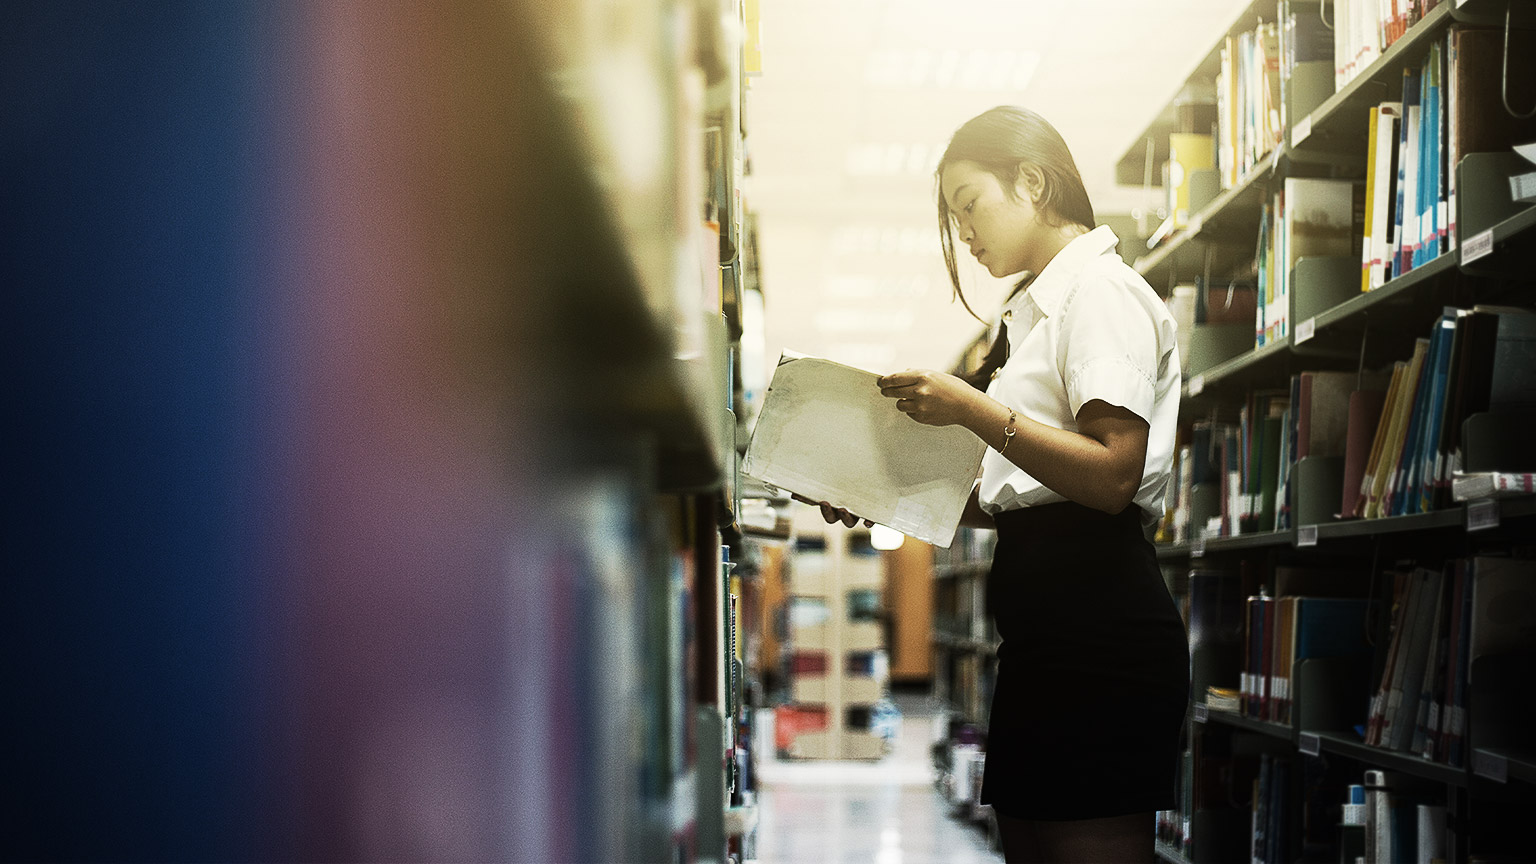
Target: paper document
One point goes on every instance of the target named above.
(826, 433)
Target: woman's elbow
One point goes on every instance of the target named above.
(1118, 495)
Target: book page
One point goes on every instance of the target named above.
(827, 434)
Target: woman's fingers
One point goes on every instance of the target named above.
(837, 514)
(897, 382)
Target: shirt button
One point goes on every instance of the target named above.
(1008, 315)
(994, 373)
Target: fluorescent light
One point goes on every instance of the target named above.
(892, 158)
(891, 321)
(876, 287)
(872, 356)
(979, 69)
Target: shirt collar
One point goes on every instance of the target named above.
(1048, 289)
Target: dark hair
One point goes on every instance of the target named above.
(1000, 140)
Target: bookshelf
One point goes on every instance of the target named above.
(839, 668)
(1332, 327)
(431, 426)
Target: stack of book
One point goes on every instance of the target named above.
(1475, 360)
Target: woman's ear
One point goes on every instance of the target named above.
(1030, 183)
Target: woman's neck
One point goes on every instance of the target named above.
(1053, 240)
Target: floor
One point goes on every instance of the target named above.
(873, 813)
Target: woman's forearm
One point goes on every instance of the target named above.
(1072, 464)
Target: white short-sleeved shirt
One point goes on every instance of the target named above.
(1088, 327)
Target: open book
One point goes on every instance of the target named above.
(826, 433)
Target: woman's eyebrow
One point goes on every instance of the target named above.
(955, 195)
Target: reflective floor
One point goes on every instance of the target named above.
(872, 813)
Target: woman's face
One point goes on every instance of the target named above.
(1000, 229)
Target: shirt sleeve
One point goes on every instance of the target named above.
(1109, 346)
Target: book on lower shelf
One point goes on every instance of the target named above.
(1491, 484)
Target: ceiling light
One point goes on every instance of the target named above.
(852, 320)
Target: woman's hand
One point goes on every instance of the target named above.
(929, 397)
(833, 514)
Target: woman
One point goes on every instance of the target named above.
(1093, 676)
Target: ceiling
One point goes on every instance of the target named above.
(855, 104)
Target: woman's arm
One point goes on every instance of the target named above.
(1099, 466)
(975, 517)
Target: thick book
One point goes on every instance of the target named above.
(826, 433)
(1456, 733)
(1478, 122)
(1283, 642)
(1384, 235)
(1392, 446)
(1323, 418)
(1425, 430)
(1320, 219)
(1403, 699)
(1492, 484)
(1387, 663)
(1365, 492)
(1364, 416)
(1430, 458)
(1428, 680)
(1405, 214)
(1436, 492)
(1331, 627)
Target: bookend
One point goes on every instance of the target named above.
(1205, 504)
(1319, 284)
(1317, 489)
(1331, 693)
(709, 743)
(1213, 344)
(1204, 187)
(1502, 704)
(1482, 192)
(1498, 441)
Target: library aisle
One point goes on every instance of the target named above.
(885, 812)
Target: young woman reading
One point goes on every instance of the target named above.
(1079, 412)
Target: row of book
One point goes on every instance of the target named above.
(1475, 360)
(1412, 150)
(1363, 29)
(1271, 817)
(1248, 116)
(1286, 631)
(1399, 433)
(972, 676)
(1404, 213)
(1305, 217)
(1441, 620)
(1449, 106)
(1232, 476)
(1444, 619)
(860, 664)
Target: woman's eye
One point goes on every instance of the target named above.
(969, 207)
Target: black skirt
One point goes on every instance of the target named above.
(1093, 673)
